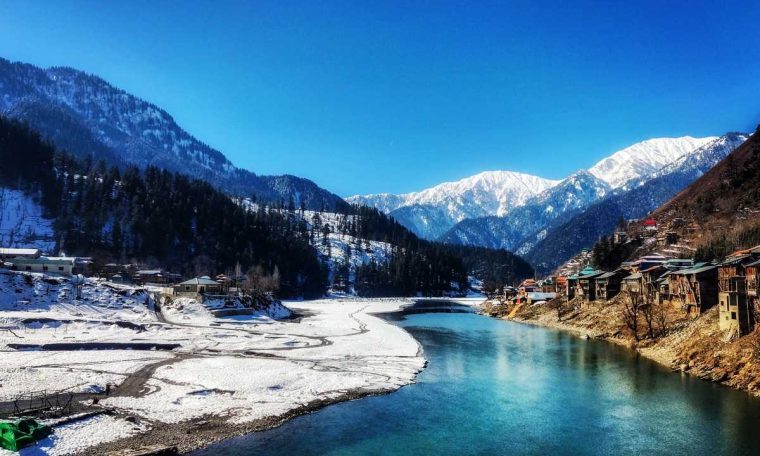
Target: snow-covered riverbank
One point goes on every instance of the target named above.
(231, 375)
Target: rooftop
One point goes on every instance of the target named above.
(26, 252)
(200, 281)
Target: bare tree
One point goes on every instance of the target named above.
(257, 280)
(661, 317)
(647, 311)
(631, 310)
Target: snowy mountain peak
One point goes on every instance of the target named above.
(499, 191)
(486, 193)
(432, 211)
(645, 158)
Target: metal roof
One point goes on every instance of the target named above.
(696, 270)
(536, 296)
(736, 259)
(200, 281)
(9, 251)
(607, 275)
(43, 260)
(635, 276)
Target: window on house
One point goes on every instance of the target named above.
(44, 268)
(733, 315)
(28, 268)
(60, 268)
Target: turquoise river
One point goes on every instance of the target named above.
(496, 387)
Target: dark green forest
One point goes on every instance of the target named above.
(165, 219)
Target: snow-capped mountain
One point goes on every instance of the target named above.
(87, 116)
(527, 223)
(644, 158)
(513, 210)
(639, 197)
(434, 210)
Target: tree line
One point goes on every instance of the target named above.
(161, 218)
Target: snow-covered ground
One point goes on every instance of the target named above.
(240, 368)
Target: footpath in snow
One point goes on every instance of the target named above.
(230, 375)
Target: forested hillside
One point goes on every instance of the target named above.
(166, 219)
(88, 117)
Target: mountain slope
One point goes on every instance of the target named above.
(527, 223)
(645, 158)
(467, 211)
(85, 115)
(600, 219)
(487, 193)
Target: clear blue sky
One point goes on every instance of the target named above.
(397, 96)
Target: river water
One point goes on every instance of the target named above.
(496, 387)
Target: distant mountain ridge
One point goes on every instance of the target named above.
(484, 194)
(87, 116)
(642, 196)
(645, 158)
(520, 228)
(503, 209)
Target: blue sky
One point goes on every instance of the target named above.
(396, 96)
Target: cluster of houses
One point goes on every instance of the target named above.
(33, 260)
(732, 285)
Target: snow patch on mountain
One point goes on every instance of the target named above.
(487, 193)
(645, 158)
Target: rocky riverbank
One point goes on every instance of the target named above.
(695, 346)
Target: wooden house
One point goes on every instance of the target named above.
(663, 289)
(587, 283)
(696, 288)
(649, 278)
(527, 286)
(548, 285)
(571, 286)
(752, 271)
(560, 286)
(735, 307)
(632, 283)
(608, 284)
